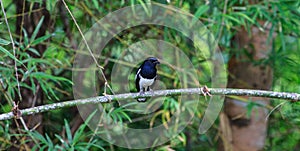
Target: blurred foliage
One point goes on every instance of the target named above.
(53, 69)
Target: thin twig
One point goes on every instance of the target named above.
(81, 34)
(276, 107)
(14, 50)
(89, 49)
(293, 97)
(15, 63)
(222, 21)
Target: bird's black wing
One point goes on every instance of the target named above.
(137, 85)
(137, 80)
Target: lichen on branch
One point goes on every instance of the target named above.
(294, 97)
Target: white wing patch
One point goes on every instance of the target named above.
(138, 73)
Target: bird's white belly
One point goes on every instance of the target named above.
(146, 82)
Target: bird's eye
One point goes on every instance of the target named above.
(153, 60)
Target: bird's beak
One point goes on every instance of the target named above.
(157, 62)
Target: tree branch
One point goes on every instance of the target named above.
(294, 97)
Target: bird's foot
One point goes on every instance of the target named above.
(142, 93)
(141, 99)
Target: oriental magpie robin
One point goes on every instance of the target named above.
(145, 76)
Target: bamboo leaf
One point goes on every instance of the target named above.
(9, 54)
(25, 37)
(41, 39)
(4, 42)
(201, 10)
(33, 50)
(232, 18)
(245, 16)
(68, 132)
(36, 30)
(42, 75)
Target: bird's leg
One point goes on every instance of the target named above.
(142, 91)
(151, 90)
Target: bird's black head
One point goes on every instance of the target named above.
(153, 60)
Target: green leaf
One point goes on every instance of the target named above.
(33, 50)
(282, 38)
(52, 92)
(62, 141)
(23, 84)
(36, 30)
(96, 4)
(25, 37)
(146, 6)
(232, 18)
(245, 16)
(68, 132)
(80, 130)
(4, 42)
(41, 39)
(33, 61)
(42, 75)
(44, 88)
(9, 54)
(7, 69)
(126, 116)
(57, 147)
(98, 146)
(201, 10)
(39, 137)
(5, 108)
(49, 142)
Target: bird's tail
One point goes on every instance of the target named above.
(141, 99)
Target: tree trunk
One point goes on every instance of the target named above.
(28, 19)
(243, 127)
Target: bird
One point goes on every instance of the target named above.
(146, 76)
